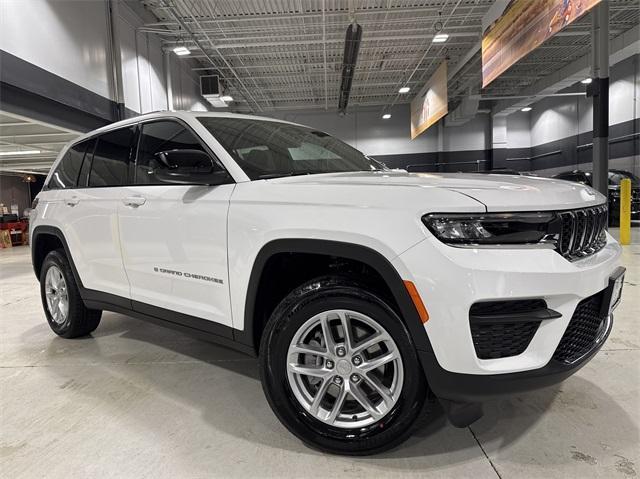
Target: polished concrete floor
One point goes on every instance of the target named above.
(136, 401)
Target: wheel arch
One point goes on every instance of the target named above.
(44, 239)
(342, 250)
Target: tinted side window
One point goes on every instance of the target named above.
(156, 137)
(66, 174)
(83, 177)
(111, 158)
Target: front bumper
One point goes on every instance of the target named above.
(450, 280)
(473, 388)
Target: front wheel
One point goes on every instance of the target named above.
(339, 369)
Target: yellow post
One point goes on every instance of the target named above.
(625, 211)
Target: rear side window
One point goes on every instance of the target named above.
(66, 174)
(111, 158)
(156, 137)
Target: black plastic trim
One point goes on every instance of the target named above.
(52, 231)
(527, 316)
(474, 388)
(197, 327)
(339, 249)
(183, 319)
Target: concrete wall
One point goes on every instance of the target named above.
(144, 74)
(519, 130)
(555, 118)
(70, 39)
(66, 38)
(566, 123)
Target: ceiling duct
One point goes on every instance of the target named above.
(351, 47)
(465, 111)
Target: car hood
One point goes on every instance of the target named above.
(497, 192)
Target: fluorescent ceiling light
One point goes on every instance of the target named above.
(182, 50)
(526, 108)
(386, 116)
(586, 81)
(404, 89)
(19, 152)
(440, 38)
(227, 98)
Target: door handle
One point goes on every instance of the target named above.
(134, 201)
(72, 202)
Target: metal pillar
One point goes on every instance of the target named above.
(115, 59)
(599, 90)
(168, 80)
(498, 142)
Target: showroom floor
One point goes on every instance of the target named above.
(136, 400)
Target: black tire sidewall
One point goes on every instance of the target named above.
(292, 313)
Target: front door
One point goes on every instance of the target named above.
(174, 236)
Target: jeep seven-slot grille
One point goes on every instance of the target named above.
(585, 327)
(582, 232)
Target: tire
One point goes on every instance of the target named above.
(294, 318)
(75, 319)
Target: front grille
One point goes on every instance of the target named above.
(585, 327)
(582, 232)
(496, 335)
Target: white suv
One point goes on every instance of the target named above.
(361, 289)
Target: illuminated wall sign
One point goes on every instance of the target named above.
(431, 102)
(523, 26)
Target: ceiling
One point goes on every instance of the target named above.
(28, 146)
(287, 54)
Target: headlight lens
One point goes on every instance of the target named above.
(493, 228)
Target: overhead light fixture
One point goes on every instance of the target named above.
(227, 98)
(181, 50)
(440, 38)
(527, 108)
(404, 89)
(386, 116)
(586, 81)
(19, 152)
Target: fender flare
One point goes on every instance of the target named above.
(52, 231)
(352, 251)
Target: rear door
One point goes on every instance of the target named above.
(91, 228)
(174, 236)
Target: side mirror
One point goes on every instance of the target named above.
(188, 167)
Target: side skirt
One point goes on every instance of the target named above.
(191, 325)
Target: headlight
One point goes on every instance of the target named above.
(493, 228)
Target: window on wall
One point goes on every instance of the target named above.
(66, 174)
(111, 158)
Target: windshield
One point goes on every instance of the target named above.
(269, 149)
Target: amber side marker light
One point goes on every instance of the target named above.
(417, 301)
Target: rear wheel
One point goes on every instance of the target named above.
(339, 369)
(66, 313)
